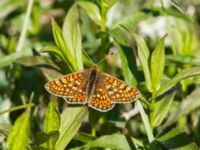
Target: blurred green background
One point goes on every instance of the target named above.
(156, 49)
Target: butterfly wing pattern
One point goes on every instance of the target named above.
(119, 91)
(100, 100)
(97, 89)
(71, 87)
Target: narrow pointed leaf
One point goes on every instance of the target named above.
(52, 123)
(71, 120)
(162, 107)
(194, 71)
(114, 141)
(143, 54)
(67, 55)
(126, 55)
(19, 136)
(157, 64)
(175, 139)
(72, 35)
(187, 106)
(9, 59)
(92, 10)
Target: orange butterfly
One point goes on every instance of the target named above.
(97, 89)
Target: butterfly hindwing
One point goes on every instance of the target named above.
(117, 90)
(71, 87)
(100, 99)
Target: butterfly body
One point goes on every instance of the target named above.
(97, 89)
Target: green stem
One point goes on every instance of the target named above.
(25, 26)
(152, 113)
(146, 122)
(17, 108)
(103, 16)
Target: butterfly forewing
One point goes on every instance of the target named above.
(118, 91)
(71, 87)
(100, 99)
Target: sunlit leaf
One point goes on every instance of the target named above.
(161, 108)
(186, 73)
(157, 64)
(19, 136)
(67, 55)
(143, 54)
(92, 10)
(54, 50)
(71, 119)
(52, 123)
(72, 35)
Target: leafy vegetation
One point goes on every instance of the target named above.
(156, 49)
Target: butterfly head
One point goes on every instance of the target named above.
(95, 67)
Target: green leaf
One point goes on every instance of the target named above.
(17, 108)
(83, 137)
(67, 55)
(92, 10)
(127, 56)
(72, 35)
(157, 64)
(71, 120)
(9, 59)
(55, 50)
(19, 136)
(114, 141)
(5, 128)
(131, 21)
(31, 61)
(161, 108)
(174, 139)
(143, 54)
(41, 137)
(187, 106)
(48, 67)
(184, 59)
(186, 73)
(52, 123)
(8, 7)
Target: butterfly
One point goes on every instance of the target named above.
(94, 88)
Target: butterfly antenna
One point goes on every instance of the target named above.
(111, 53)
(86, 54)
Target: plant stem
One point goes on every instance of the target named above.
(25, 26)
(146, 122)
(103, 16)
(17, 108)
